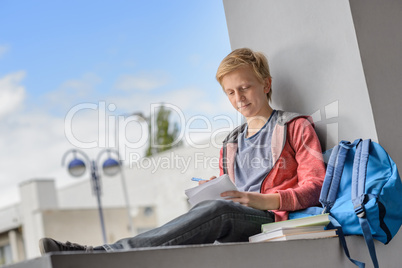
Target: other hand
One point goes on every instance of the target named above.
(204, 181)
(254, 200)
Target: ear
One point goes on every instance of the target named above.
(267, 85)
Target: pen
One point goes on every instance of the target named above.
(197, 179)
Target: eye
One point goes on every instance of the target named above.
(230, 92)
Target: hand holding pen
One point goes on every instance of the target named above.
(201, 181)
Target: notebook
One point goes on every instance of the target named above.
(210, 190)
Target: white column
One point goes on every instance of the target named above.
(12, 236)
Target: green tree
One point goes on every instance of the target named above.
(164, 135)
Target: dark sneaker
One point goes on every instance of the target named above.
(51, 245)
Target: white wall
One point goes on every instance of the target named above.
(378, 29)
(36, 195)
(82, 226)
(315, 62)
(10, 218)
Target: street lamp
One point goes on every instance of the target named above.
(77, 168)
(111, 167)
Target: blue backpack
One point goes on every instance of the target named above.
(362, 191)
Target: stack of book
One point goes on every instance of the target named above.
(303, 228)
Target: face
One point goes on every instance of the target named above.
(246, 93)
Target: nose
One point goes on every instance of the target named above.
(239, 96)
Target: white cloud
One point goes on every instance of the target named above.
(83, 85)
(33, 144)
(3, 50)
(33, 141)
(73, 91)
(12, 93)
(31, 148)
(143, 81)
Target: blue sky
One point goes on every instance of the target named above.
(55, 55)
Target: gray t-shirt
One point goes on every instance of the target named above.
(254, 158)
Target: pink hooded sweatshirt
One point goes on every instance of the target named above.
(298, 171)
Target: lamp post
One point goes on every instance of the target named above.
(77, 168)
(111, 167)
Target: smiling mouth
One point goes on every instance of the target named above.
(243, 106)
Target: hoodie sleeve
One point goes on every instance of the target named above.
(308, 164)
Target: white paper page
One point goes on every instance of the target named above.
(210, 190)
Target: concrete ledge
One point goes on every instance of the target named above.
(301, 253)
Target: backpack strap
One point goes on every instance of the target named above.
(231, 138)
(333, 174)
(334, 224)
(359, 198)
(330, 187)
(359, 177)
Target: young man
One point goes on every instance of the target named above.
(274, 159)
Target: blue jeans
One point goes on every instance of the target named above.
(207, 222)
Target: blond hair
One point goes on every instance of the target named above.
(245, 57)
